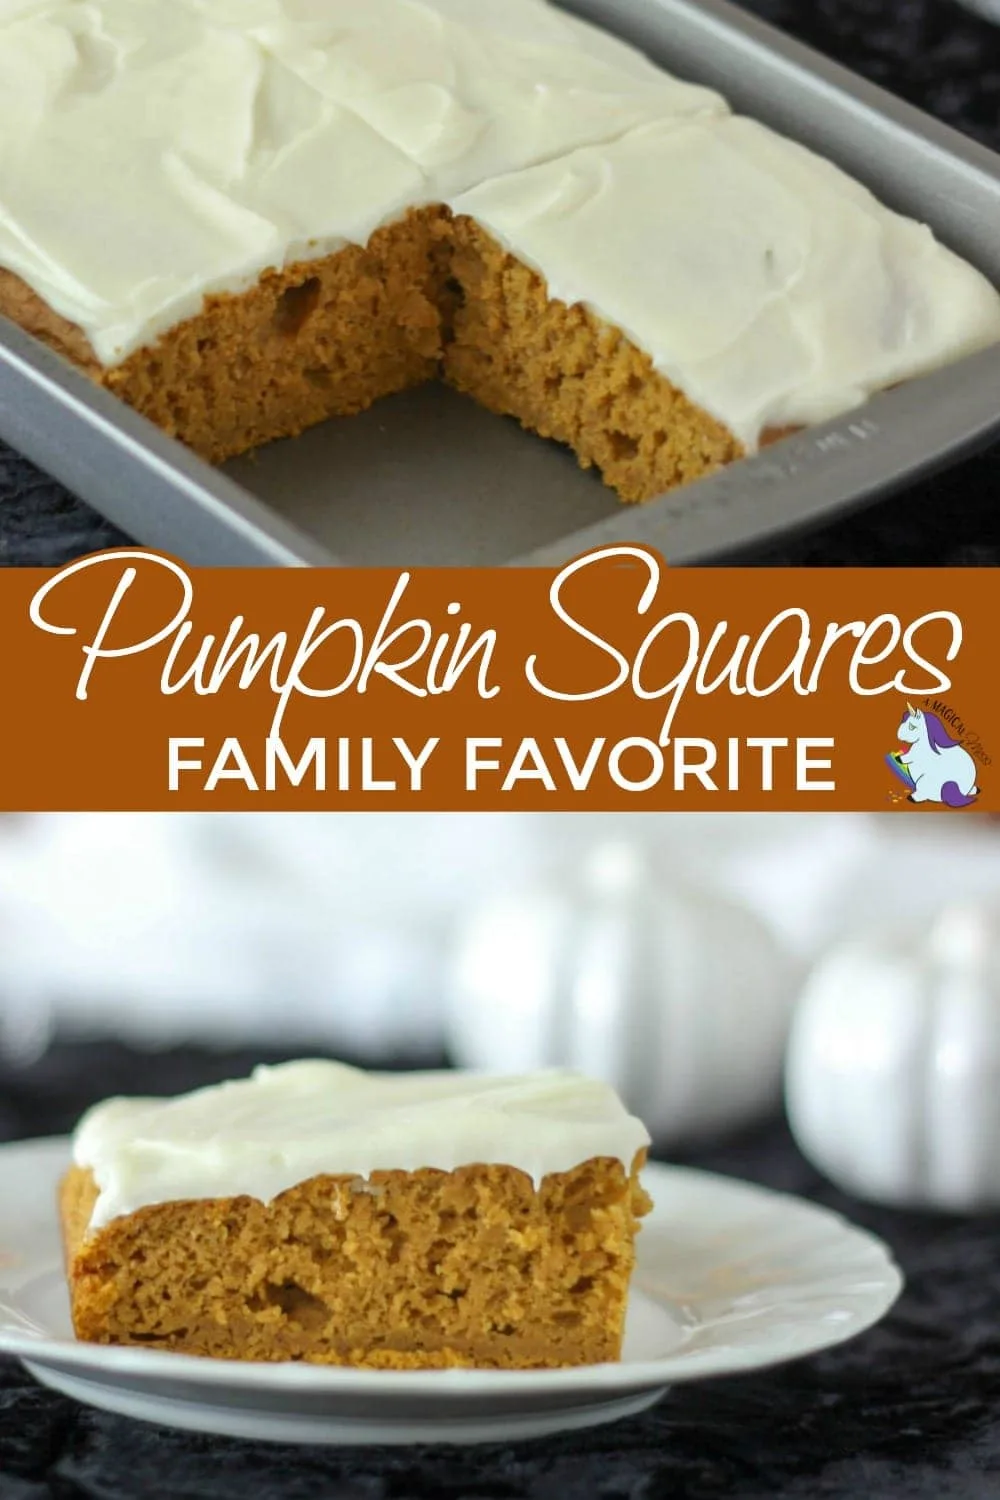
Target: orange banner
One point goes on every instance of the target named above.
(134, 682)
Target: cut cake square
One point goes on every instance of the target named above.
(314, 1212)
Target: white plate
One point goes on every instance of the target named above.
(730, 1278)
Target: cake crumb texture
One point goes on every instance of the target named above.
(316, 339)
(430, 297)
(567, 375)
(401, 1270)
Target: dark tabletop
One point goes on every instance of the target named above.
(934, 54)
(910, 1409)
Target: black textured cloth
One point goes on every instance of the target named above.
(931, 52)
(908, 1411)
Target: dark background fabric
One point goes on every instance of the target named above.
(931, 52)
(910, 1409)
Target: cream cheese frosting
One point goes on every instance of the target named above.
(468, 89)
(148, 157)
(763, 281)
(281, 1126)
(155, 151)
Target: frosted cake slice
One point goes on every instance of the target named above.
(396, 1221)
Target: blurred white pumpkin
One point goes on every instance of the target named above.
(679, 998)
(893, 1069)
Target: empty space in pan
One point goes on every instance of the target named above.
(426, 478)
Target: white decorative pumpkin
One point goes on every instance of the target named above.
(893, 1068)
(679, 998)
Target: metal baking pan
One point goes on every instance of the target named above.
(428, 478)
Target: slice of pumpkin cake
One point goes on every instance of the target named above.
(396, 1221)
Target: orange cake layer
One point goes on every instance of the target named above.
(318, 339)
(428, 297)
(567, 375)
(400, 1270)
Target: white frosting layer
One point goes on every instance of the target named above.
(148, 157)
(467, 89)
(264, 1134)
(153, 151)
(765, 283)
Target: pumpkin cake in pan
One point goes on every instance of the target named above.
(245, 218)
(393, 1221)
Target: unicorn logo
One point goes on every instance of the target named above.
(935, 768)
